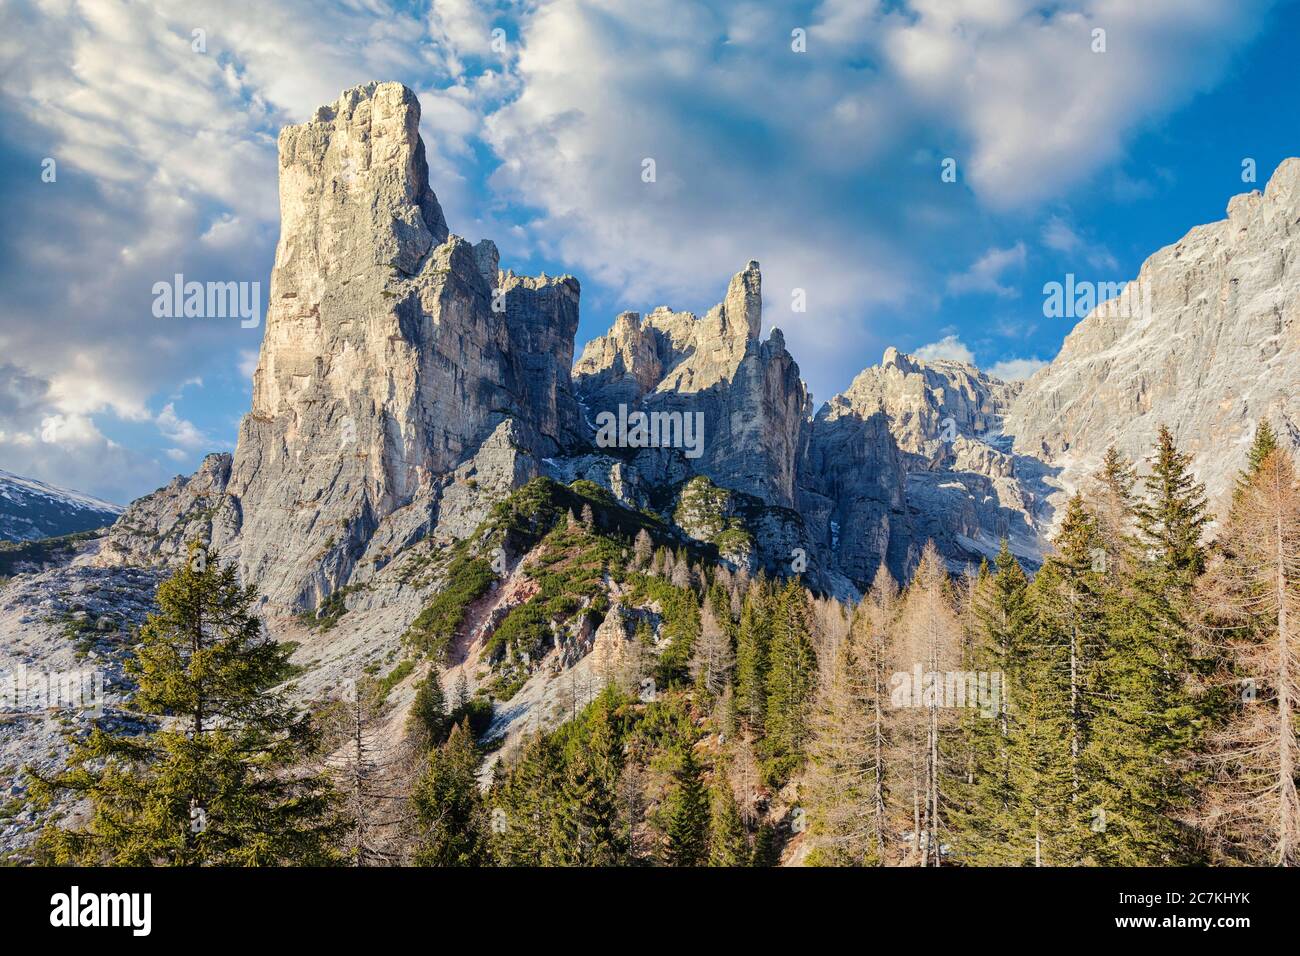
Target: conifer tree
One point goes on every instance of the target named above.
(214, 783)
(588, 816)
(687, 842)
(1057, 694)
(930, 637)
(1149, 716)
(988, 824)
(642, 549)
(712, 658)
(791, 675)
(526, 799)
(728, 843)
(1251, 600)
(846, 780)
(428, 717)
(450, 819)
(752, 640)
(1263, 445)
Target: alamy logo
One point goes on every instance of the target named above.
(208, 300)
(1074, 299)
(24, 690)
(920, 688)
(103, 909)
(651, 430)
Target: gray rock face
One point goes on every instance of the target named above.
(1217, 350)
(912, 451)
(157, 529)
(394, 353)
(755, 407)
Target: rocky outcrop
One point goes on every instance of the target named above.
(913, 451)
(399, 366)
(158, 528)
(1206, 341)
(754, 406)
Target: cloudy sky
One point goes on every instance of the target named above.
(810, 136)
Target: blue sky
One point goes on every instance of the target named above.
(823, 164)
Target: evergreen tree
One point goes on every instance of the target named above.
(588, 816)
(451, 823)
(987, 822)
(428, 717)
(1263, 445)
(1061, 687)
(1149, 716)
(526, 800)
(728, 843)
(752, 640)
(688, 815)
(215, 784)
(791, 675)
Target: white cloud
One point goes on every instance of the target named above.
(1040, 109)
(70, 430)
(985, 273)
(1015, 370)
(822, 168)
(181, 431)
(949, 348)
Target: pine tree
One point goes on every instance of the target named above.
(215, 785)
(1263, 445)
(1061, 687)
(1251, 600)
(642, 549)
(791, 675)
(1112, 503)
(588, 817)
(1149, 716)
(687, 841)
(752, 640)
(451, 823)
(988, 825)
(728, 843)
(428, 717)
(526, 800)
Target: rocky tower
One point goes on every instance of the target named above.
(394, 352)
(1208, 342)
(754, 404)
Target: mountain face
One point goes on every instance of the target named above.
(424, 462)
(1208, 344)
(406, 383)
(915, 451)
(31, 509)
(397, 363)
(753, 407)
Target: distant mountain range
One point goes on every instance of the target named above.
(31, 509)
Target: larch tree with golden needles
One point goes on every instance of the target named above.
(930, 641)
(1251, 597)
